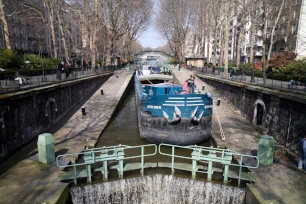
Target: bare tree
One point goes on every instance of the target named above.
(270, 17)
(138, 14)
(50, 5)
(173, 22)
(59, 15)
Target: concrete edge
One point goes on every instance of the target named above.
(122, 96)
(301, 98)
(253, 196)
(63, 195)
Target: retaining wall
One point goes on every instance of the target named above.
(284, 113)
(26, 114)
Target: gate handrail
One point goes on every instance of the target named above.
(99, 150)
(208, 149)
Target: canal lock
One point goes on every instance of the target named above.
(177, 188)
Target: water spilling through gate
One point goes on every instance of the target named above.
(161, 189)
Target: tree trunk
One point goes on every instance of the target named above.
(5, 26)
(203, 47)
(226, 44)
(51, 24)
(129, 50)
(222, 47)
(252, 37)
(60, 22)
(264, 47)
(94, 39)
(208, 46)
(238, 53)
(215, 50)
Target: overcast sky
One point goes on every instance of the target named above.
(151, 37)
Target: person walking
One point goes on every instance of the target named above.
(67, 69)
(59, 70)
(302, 153)
(190, 84)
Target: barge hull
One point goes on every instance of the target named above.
(157, 130)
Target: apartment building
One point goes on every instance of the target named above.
(285, 34)
(29, 34)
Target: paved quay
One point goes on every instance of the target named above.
(32, 182)
(281, 182)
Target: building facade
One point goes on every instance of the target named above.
(28, 33)
(290, 35)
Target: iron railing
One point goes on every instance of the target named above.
(247, 77)
(13, 81)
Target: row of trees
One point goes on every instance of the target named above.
(209, 22)
(107, 28)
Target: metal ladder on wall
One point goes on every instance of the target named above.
(203, 160)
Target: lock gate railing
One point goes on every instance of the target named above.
(199, 156)
(102, 155)
(210, 156)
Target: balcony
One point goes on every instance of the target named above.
(258, 54)
(259, 43)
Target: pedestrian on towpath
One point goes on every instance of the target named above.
(302, 154)
(67, 67)
(190, 83)
(60, 69)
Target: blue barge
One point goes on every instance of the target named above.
(166, 116)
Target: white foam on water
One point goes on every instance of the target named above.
(157, 189)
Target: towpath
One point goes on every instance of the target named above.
(278, 183)
(32, 182)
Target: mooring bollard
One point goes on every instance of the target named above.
(203, 88)
(83, 111)
(219, 101)
(46, 150)
(102, 93)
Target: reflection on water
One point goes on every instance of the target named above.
(123, 128)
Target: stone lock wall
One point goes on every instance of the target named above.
(284, 113)
(26, 114)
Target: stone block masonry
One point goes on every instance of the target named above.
(282, 114)
(26, 114)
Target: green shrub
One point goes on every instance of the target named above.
(36, 62)
(246, 67)
(9, 59)
(296, 71)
